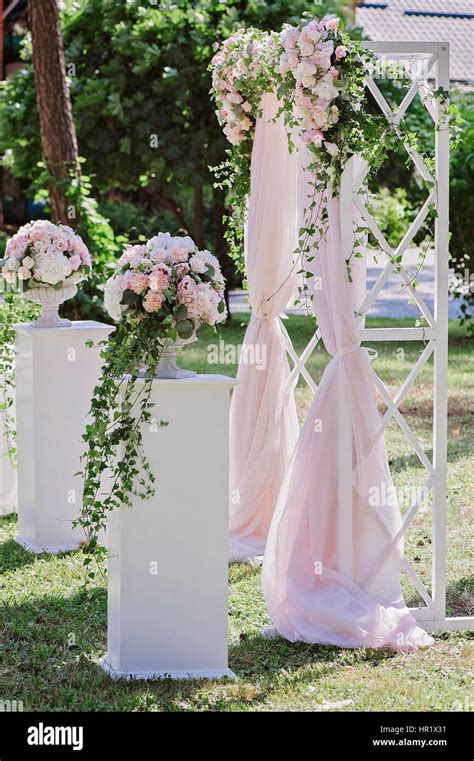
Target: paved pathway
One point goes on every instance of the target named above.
(390, 303)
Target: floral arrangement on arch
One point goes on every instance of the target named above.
(317, 73)
(312, 67)
(44, 254)
(241, 71)
(161, 292)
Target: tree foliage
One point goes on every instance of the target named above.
(140, 90)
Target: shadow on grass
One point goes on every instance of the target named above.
(459, 597)
(12, 554)
(51, 648)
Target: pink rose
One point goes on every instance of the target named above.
(341, 52)
(138, 282)
(17, 246)
(332, 24)
(314, 136)
(24, 273)
(152, 301)
(186, 289)
(80, 249)
(181, 269)
(28, 262)
(158, 280)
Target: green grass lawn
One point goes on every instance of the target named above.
(52, 633)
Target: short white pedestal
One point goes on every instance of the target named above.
(7, 471)
(55, 376)
(167, 614)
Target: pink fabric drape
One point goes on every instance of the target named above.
(331, 572)
(264, 426)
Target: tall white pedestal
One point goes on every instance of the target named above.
(55, 376)
(7, 471)
(167, 613)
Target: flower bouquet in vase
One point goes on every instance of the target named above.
(173, 286)
(45, 262)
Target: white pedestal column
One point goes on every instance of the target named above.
(55, 376)
(8, 496)
(167, 600)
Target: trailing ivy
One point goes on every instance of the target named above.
(115, 467)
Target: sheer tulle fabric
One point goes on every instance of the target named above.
(331, 571)
(264, 425)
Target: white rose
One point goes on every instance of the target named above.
(162, 240)
(333, 115)
(326, 92)
(321, 120)
(212, 260)
(308, 82)
(306, 47)
(53, 269)
(305, 69)
(331, 148)
(198, 264)
(312, 34)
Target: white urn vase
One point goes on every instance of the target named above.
(49, 299)
(167, 367)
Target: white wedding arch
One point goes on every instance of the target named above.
(431, 614)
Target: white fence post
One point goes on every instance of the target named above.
(440, 367)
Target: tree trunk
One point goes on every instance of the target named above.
(158, 198)
(220, 244)
(198, 217)
(58, 134)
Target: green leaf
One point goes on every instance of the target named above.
(181, 312)
(185, 328)
(131, 299)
